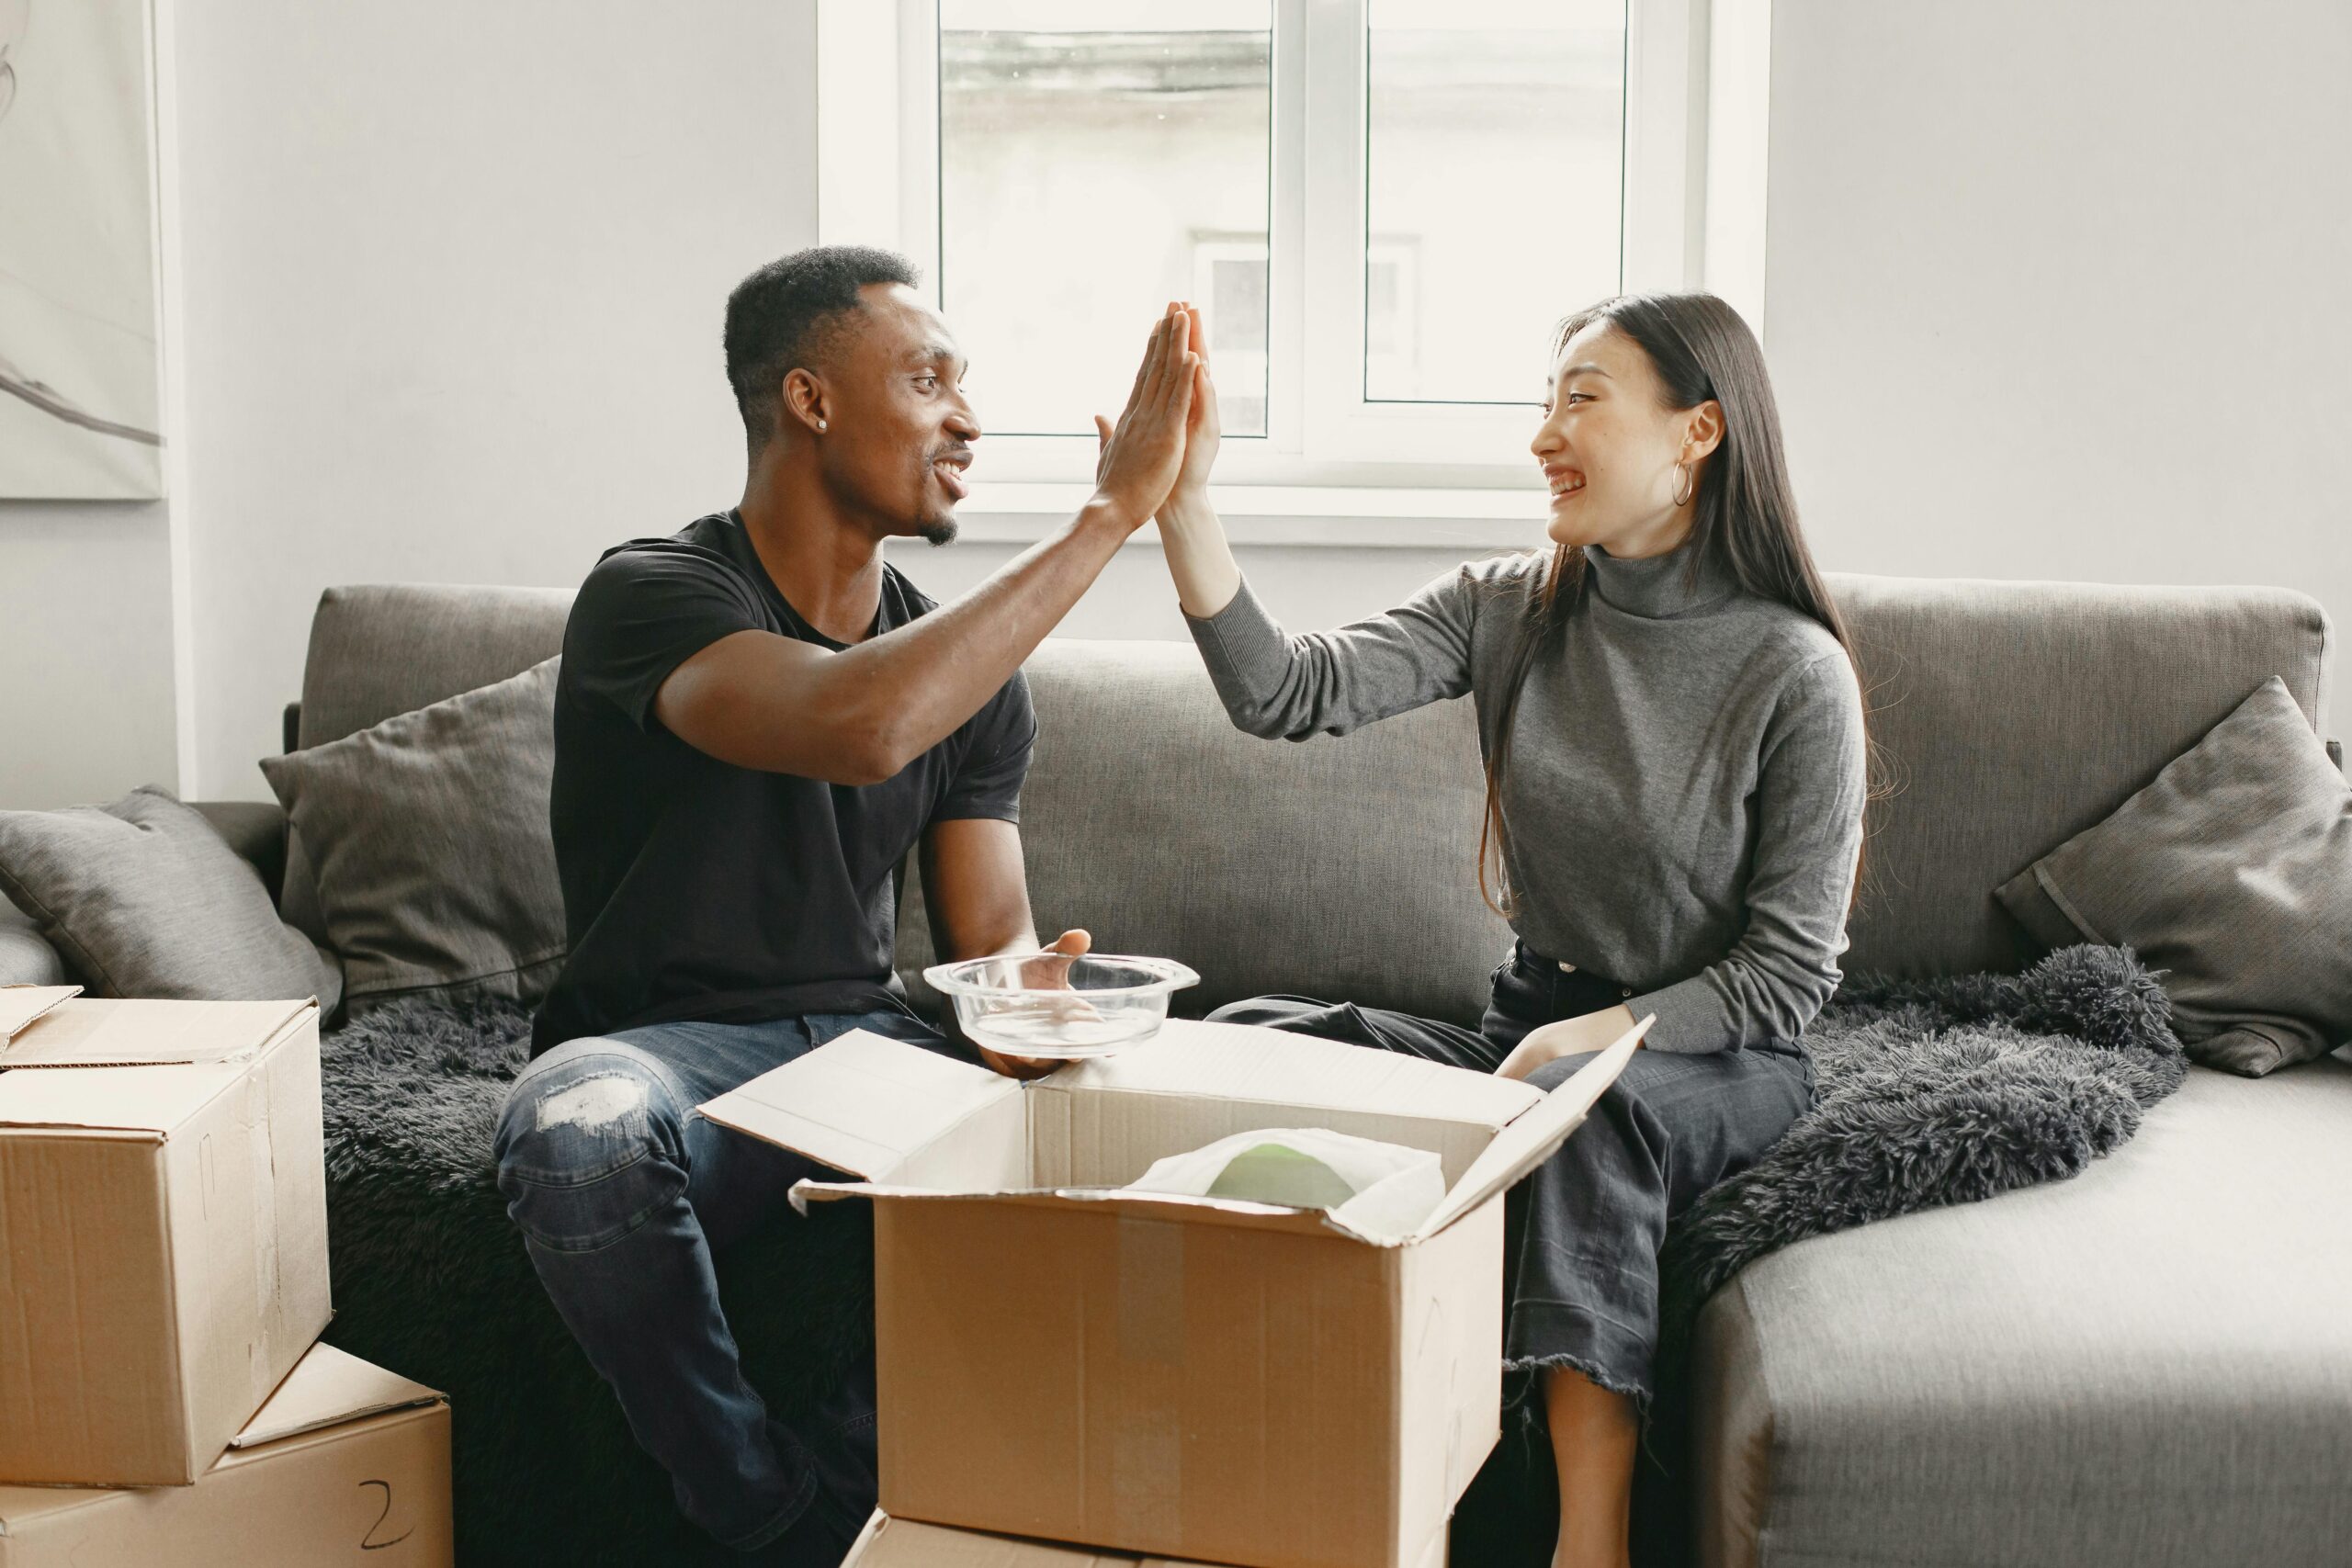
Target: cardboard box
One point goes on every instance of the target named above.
(905, 1543)
(346, 1463)
(1191, 1377)
(162, 1232)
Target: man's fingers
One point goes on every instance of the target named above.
(1076, 942)
(1159, 360)
(1197, 338)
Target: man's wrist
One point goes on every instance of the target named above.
(1111, 513)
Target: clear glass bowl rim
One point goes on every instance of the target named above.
(1172, 976)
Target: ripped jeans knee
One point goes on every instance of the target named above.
(590, 1145)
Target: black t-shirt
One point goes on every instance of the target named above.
(694, 889)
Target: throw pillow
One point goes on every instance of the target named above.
(428, 838)
(144, 898)
(2231, 872)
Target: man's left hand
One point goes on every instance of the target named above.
(1070, 944)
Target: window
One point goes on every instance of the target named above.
(1381, 206)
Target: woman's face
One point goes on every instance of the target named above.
(1609, 445)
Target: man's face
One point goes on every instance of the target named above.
(899, 432)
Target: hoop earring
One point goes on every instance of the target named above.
(1683, 491)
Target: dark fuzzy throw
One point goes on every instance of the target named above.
(1932, 1092)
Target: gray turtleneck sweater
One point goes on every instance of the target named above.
(1683, 795)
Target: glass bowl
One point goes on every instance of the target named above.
(1052, 1006)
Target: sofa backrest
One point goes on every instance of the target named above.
(2008, 717)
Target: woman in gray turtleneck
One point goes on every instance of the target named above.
(1675, 759)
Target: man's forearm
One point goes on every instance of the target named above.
(932, 674)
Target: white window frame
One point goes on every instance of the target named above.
(1697, 82)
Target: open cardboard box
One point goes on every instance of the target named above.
(1186, 1377)
(345, 1463)
(163, 1231)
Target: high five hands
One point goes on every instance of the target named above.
(1165, 442)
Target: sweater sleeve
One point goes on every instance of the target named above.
(1810, 792)
(1289, 688)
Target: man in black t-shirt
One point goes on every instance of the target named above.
(757, 719)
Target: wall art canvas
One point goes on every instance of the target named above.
(80, 381)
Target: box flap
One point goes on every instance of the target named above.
(887, 1542)
(862, 1103)
(1521, 1146)
(1127, 1205)
(145, 1101)
(327, 1387)
(110, 1034)
(19, 1004)
(1239, 1062)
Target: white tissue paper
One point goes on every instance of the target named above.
(1373, 1187)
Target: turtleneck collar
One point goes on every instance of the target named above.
(1659, 587)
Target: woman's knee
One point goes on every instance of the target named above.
(591, 1136)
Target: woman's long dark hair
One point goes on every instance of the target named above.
(1744, 511)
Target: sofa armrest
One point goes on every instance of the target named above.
(26, 957)
(255, 829)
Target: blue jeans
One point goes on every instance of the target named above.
(623, 1194)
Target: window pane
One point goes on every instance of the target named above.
(1494, 188)
(1097, 161)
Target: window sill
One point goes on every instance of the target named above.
(1290, 515)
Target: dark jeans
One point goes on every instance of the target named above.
(1582, 1268)
(623, 1194)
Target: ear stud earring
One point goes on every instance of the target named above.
(821, 425)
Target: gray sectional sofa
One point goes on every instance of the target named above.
(2151, 1364)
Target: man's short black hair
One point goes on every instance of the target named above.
(789, 314)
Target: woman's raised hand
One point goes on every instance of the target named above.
(1144, 452)
(1200, 435)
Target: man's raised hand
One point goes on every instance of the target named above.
(1143, 454)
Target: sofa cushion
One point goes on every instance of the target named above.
(2231, 872)
(428, 833)
(1348, 866)
(144, 898)
(376, 651)
(2149, 1364)
(2011, 715)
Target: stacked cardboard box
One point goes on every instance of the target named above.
(1176, 1378)
(164, 1284)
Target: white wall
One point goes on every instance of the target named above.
(85, 651)
(2060, 290)
(455, 275)
(2055, 291)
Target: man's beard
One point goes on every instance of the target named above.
(937, 533)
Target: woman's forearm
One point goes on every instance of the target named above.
(1199, 559)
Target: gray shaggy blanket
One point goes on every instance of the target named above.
(1931, 1093)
